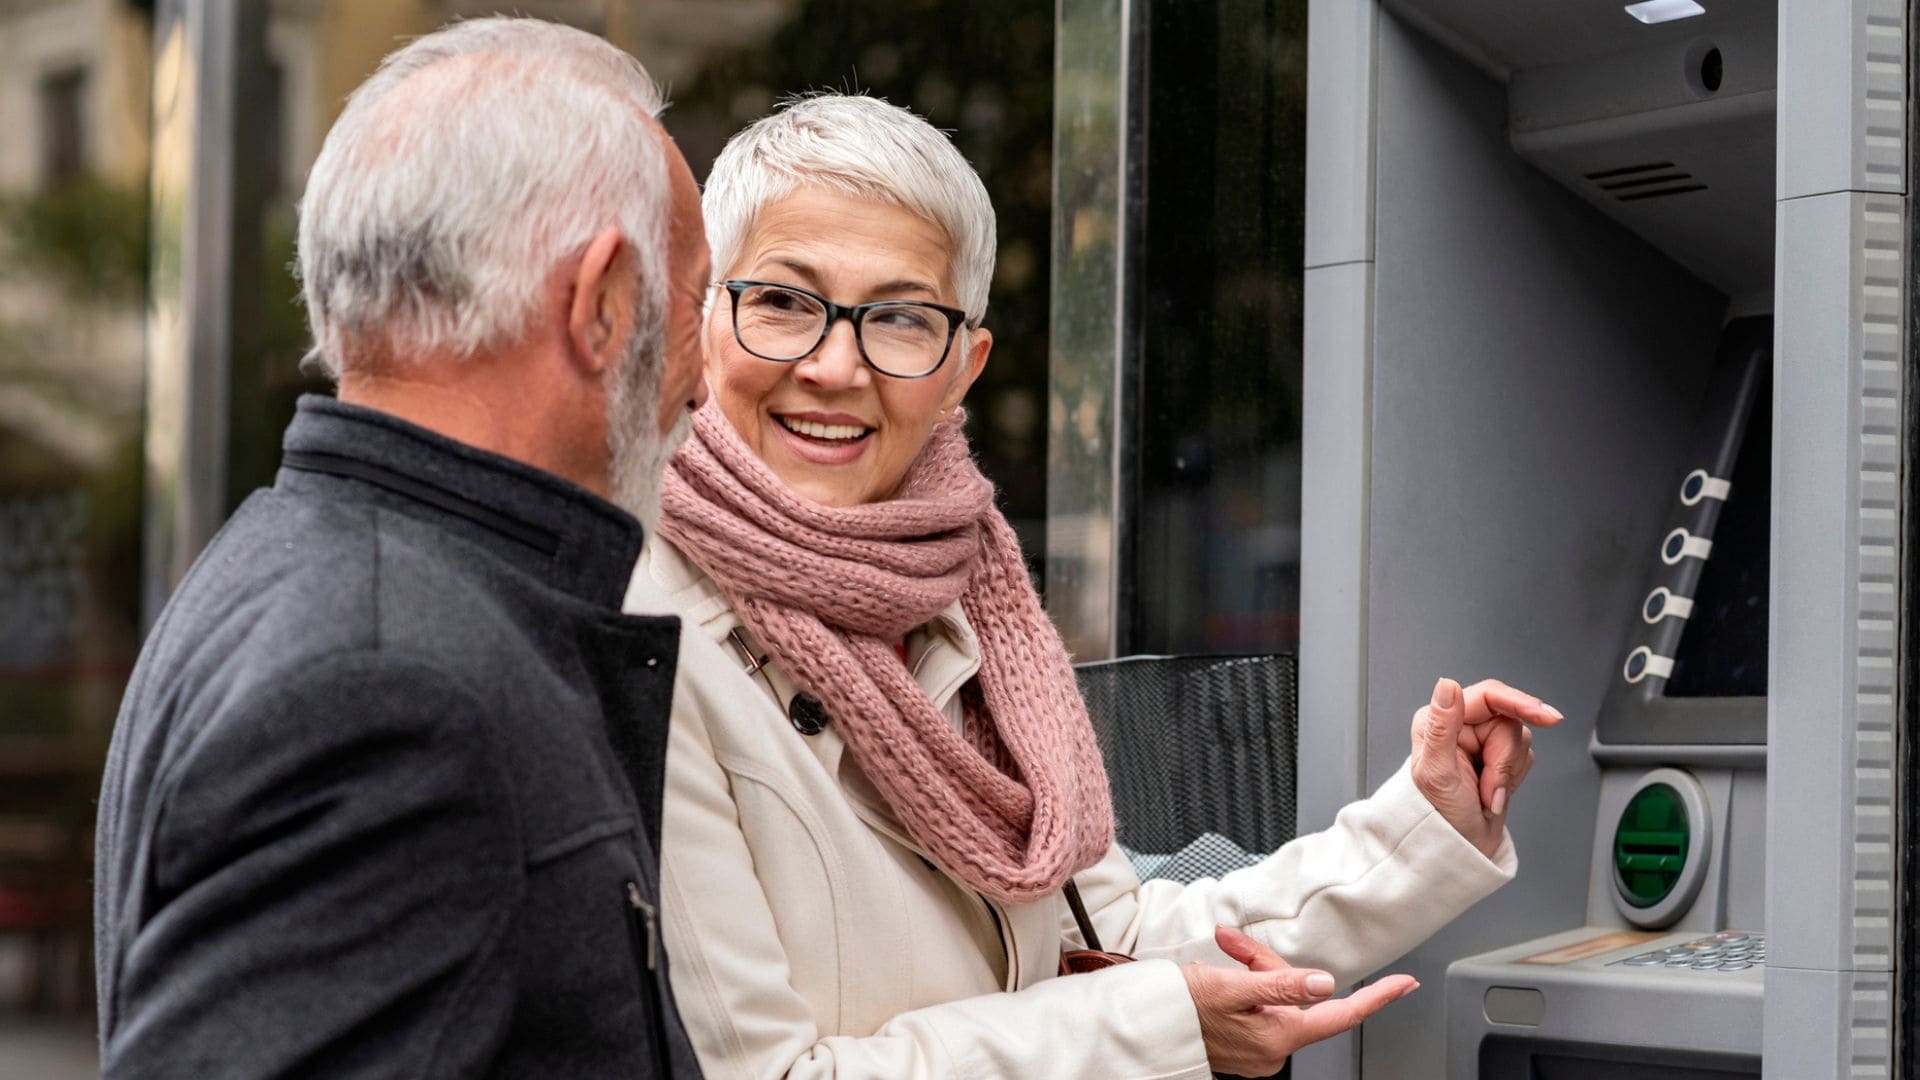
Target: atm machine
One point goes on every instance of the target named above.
(1610, 378)
(1665, 976)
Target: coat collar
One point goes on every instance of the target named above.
(556, 531)
(942, 655)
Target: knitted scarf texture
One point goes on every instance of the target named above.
(1015, 804)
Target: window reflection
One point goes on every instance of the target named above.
(91, 324)
(74, 82)
(1218, 533)
(981, 70)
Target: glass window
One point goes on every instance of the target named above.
(73, 259)
(982, 71)
(1217, 523)
(87, 285)
(90, 290)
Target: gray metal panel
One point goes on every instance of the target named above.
(1657, 74)
(1508, 515)
(1339, 226)
(1835, 535)
(1746, 850)
(1336, 360)
(1842, 96)
(1734, 757)
(1836, 567)
(1333, 559)
(1719, 221)
(1589, 1002)
(1822, 1024)
(1333, 517)
(1505, 36)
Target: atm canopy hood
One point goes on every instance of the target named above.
(1668, 128)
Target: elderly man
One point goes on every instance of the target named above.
(384, 795)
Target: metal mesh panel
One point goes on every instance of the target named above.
(1200, 752)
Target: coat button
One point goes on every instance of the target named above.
(808, 715)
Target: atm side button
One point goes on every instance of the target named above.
(1519, 1005)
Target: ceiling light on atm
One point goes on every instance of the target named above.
(1659, 11)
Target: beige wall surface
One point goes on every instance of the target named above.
(111, 43)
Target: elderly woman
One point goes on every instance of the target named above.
(882, 780)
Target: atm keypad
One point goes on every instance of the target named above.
(1729, 950)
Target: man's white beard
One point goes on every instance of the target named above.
(638, 452)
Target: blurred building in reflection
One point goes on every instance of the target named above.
(74, 86)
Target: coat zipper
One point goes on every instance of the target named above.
(650, 932)
(643, 919)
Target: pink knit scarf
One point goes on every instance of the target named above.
(1016, 804)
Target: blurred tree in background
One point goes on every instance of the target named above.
(90, 234)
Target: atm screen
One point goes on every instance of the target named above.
(1723, 651)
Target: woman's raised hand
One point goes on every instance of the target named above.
(1251, 1021)
(1471, 750)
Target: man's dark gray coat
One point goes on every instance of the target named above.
(384, 794)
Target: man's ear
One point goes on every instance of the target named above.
(600, 311)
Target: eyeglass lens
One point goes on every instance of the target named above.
(900, 337)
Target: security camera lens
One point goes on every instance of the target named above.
(1710, 70)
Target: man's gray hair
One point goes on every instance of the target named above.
(462, 172)
(859, 146)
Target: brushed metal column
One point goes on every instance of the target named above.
(1091, 403)
(190, 305)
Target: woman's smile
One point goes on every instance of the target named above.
(824, 438)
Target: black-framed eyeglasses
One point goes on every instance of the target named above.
(906, 339)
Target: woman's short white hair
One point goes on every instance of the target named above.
(472, 162)
(860, 146)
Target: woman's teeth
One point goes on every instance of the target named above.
(837, 432)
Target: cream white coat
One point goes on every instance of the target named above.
(809, 937)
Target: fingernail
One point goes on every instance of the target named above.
(1443, 693)
(1320, 984)
(1555, 713)
(1499, 801)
